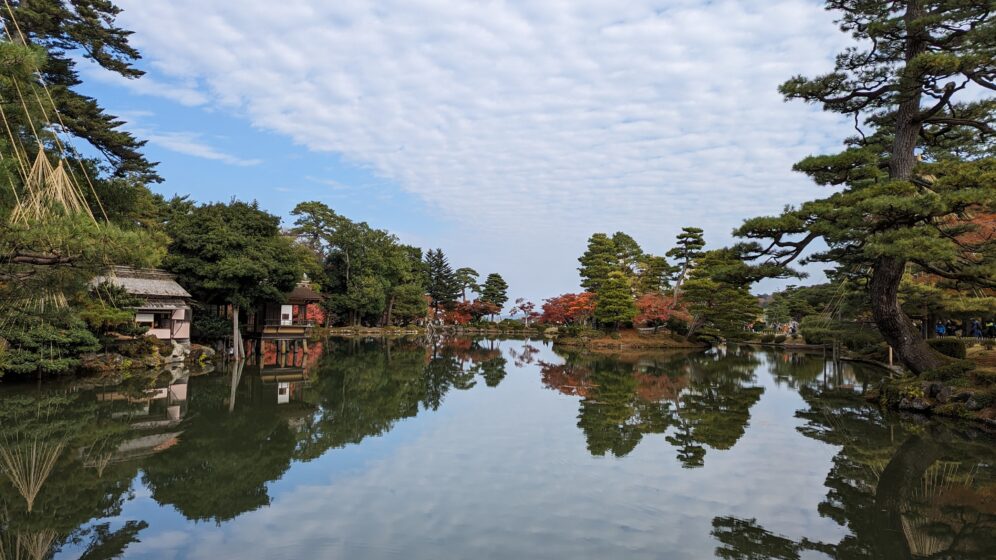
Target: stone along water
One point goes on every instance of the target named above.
(489, 449)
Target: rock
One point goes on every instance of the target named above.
(932, 388)
(102, 363)
(944, 395)
(916, 404)
(551, 332)
(201, 354)
(961, 397)
(974, 404)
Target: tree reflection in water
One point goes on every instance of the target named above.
(209, 446)
(904, 487)
(699, 400)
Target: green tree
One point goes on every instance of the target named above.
(409, 303)
(629, 255)
(495, 290)
(686, 251)
(363, 266)
(655, 275)
(718, 297)
(86, 28)
(442, 285)
(467, 279)
(917, 79)
(598, 261)
(614, 301)
(232, 254)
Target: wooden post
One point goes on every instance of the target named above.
(890, 356)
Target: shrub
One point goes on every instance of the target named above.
(951, 347)
(780, 339)
(767, 338)
(947, 372)
(985, 377)
(677, 326)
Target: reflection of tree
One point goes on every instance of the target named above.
(699, 400)
(361, 390)
(47, 490)
(221, 465)
(106, 544)
(924, 491)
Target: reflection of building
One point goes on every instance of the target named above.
(153, 413)
(286, 363)
(165, 309)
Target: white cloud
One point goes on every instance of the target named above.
(192, 144)
(186, 93)
(525, 119)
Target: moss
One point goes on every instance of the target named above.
(953, 409)
(780, 339)
(949, 371)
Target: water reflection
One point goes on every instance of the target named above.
(702, 401)
(209, 447)
(903, 486)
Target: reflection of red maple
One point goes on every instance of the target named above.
(569, 379)
(574, 380)
(568, 309)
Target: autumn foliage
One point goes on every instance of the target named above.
(465, 312)
(569, 309)
(657, 309)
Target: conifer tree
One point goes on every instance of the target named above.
(688, 248)
(917, 85)
(495, 290)
(598, 261)
(467, 278)
(88, 28)
(442, 285)
(615, 304)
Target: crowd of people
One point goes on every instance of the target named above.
(973, 328)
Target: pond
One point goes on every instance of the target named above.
(502, 449)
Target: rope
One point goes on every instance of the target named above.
(55, 109)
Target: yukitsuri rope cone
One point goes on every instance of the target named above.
(29, 466)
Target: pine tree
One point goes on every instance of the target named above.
(442, 285)
(916, 82)
(467, 278)
(598, 261)
(688, 248)
(615, 303)
(495, 290)
(87, 27)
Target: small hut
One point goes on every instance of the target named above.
(165, 308)
(288, 319)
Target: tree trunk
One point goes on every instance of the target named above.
(390, 311)
(892, 322)
(237, 352)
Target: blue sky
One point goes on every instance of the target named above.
(504, 132)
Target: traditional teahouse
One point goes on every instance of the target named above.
(165, 308)
(287, 319)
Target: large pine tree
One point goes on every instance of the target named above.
(85, 27)
(917, 85)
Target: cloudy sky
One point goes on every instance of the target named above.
(504, 132)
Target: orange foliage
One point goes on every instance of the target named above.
(568, 309)
(657, 309)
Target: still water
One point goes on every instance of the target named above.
(489, 449)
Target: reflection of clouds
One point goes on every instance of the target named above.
(504, 472)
